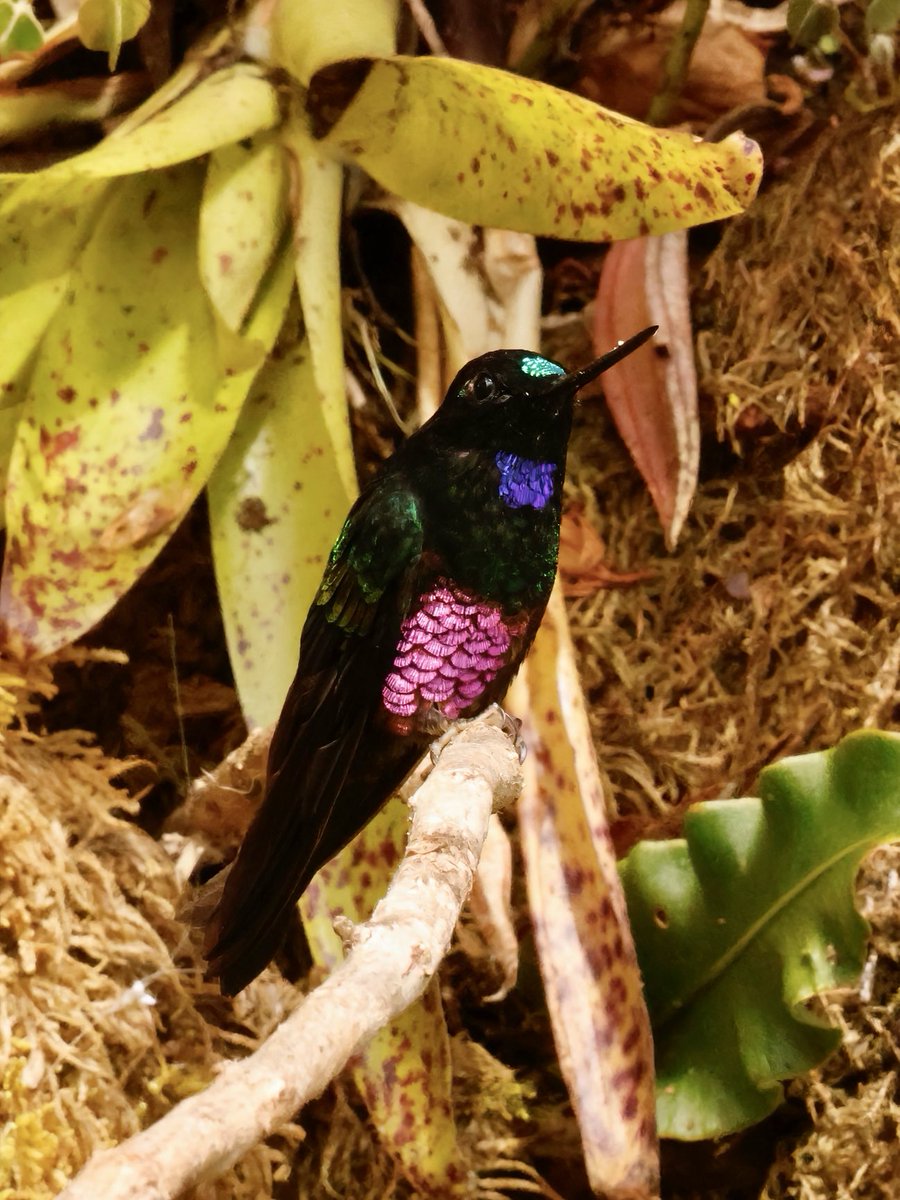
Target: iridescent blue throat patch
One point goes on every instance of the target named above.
(539, 368)
(524, 483)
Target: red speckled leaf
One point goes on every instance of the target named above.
(242, 218)
(404, 1074)
(492, 148)
(652, 394)
(134, 392)
(276, 504)
(581, 928)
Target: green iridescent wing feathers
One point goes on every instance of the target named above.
(381, 537)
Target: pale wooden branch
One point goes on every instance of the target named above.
(390, 960)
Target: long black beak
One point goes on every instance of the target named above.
(578, 379)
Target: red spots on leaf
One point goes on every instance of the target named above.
(53, 444)
(576, 877)
(67, 394)
(226, 262)
(158, 254)
(69, 558)
(702, 192)
(551, 157)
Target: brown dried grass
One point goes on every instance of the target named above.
(773, 628)
(105, 1022)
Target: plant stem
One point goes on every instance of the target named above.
(677, 62)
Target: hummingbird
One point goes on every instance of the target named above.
(431, 597)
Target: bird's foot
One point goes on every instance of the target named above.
(442, 728)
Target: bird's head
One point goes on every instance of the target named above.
(518, 401)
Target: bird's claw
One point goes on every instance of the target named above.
(511, 726)
(496, 715)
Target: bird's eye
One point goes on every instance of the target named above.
(483, 387)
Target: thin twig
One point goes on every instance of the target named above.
(389, 963)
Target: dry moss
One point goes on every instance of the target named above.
(775, 626)
(101, 1031)
(853, 1148)
(773, 629)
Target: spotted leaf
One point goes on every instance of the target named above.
(242, 219)
(236, 102)
(581, 928)
(128, 408)
(491, 148)
(276, 503)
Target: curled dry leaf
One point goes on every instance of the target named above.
(584, 942)
(582, 555)
(652, 394)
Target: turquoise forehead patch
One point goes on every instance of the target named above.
(538, 367)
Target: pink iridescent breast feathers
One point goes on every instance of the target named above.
(451, 647)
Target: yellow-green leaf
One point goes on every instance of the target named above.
(307, 36)
(106, 24)
(276, 504)
(404, 1073)
(242, 218)
(491, 148)
(317, 247)
(237, 102)
(43, 225)
(133, 395)
(9, 420)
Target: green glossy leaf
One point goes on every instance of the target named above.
(276, 504)
(106, 24)
(746, 918)
(234, 103)
(20, 30)
(133, 396)
(490, 148)
(404, 1073)
(242, 218)
(317, 246)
